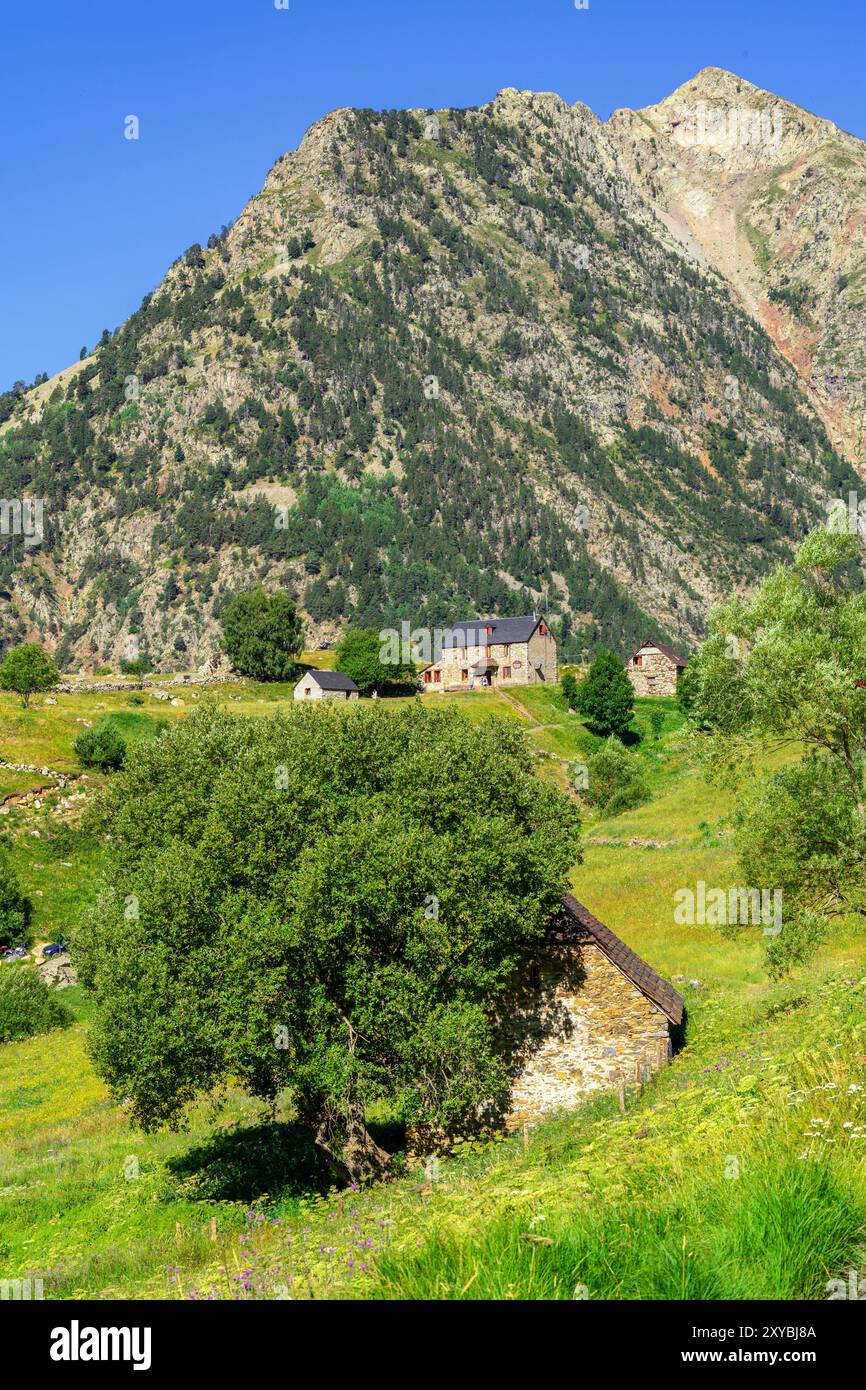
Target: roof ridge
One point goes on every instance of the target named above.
(663, 647)
(633, 966)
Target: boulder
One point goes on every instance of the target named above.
(58, 971)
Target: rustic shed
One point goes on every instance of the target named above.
(325, 685)
(654, 669)
(586, 1014)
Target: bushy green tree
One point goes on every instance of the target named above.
(359, 656)
(570, 688)
(27, 670)
(615, 779)
(103, 747)
(605, 697)
(15, 909)
(263, 635)
(27, 1004)
(333, 904)
(786, 670)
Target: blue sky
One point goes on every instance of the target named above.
(222, 88)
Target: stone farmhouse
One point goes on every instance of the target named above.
(325, 685)
(587, 1013)
(654, 669)
(494, 651)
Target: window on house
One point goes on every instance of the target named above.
(638, 661)
(427, 677)
(506, 650)
(464, 675)
(437, 677)
(542, 629)
(506, 673)
(534, 976)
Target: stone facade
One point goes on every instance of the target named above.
(577, 1026)
(654, 670)
(478, 661)
(309, 688)
(585, 1014)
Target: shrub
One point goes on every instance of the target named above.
(14, 907)
(616, 779)
(103, 747)
(569, 689)
(139, 667)
(27, 1004)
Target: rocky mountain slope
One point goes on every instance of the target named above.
(443, 364)
(775, 199)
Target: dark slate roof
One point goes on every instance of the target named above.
(576, 923)
(668, 651)
(471, 632)
(332, 680)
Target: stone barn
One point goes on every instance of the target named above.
(654, 669)
(326, 685)
(586, 1014)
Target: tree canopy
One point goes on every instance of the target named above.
(262, 635)
(359, 656)
(605, 697)
(328, 901)
(786, 670)
(27, 670)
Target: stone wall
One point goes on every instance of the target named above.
(85, 686)
(521, 657)
(542, 652)
(576, 1025)
(656, 675)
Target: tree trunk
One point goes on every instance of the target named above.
(354, 1155)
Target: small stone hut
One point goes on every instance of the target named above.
(586, 1014)
(654, 669)
(325, 685)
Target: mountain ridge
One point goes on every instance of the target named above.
(440, 362)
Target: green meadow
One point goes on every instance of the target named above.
(737, 1172)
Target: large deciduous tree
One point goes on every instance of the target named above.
(263, 635)
(786, 670)
(328, 902)
(360, 656)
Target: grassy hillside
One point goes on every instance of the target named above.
(737, 1172)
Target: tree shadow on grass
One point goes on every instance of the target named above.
(274, 1160)
(241, 1165)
